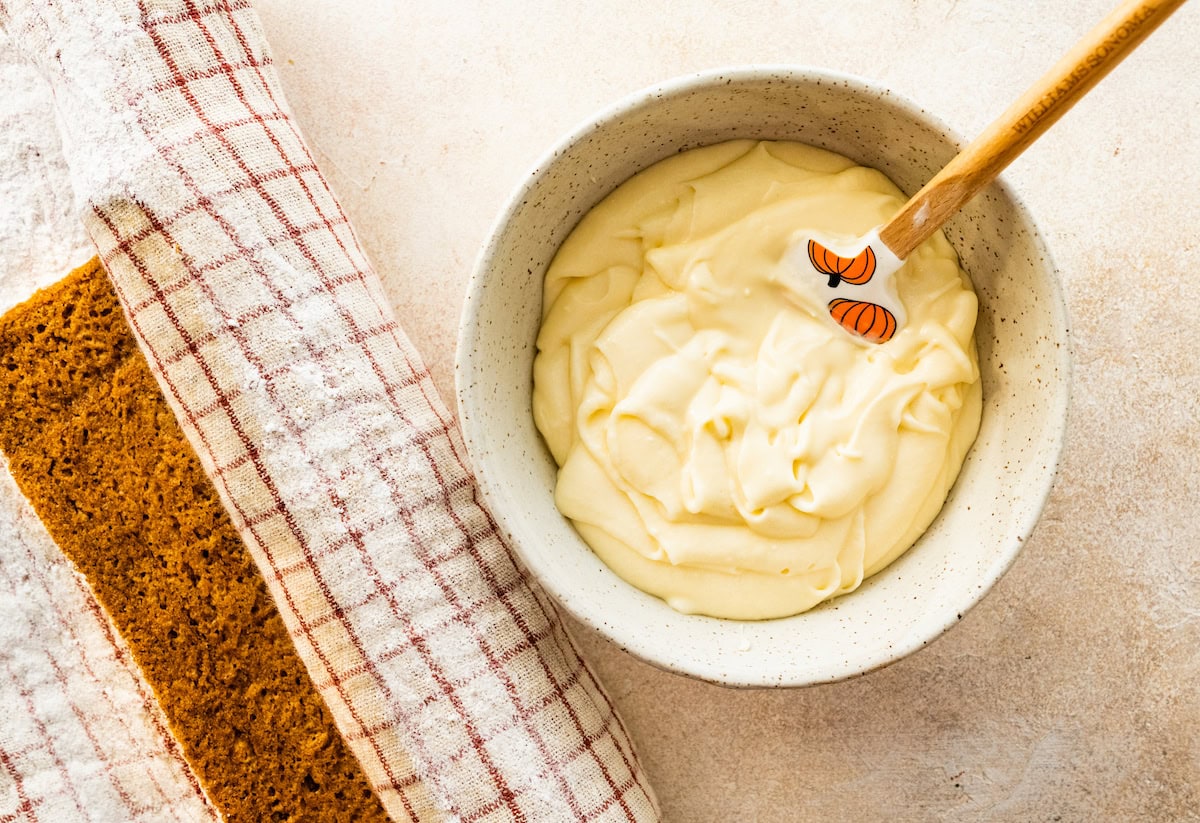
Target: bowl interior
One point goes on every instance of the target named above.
(1022, 351)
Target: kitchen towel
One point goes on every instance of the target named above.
(449, 674)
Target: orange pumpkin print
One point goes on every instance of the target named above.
(868, 320)
(856, 270)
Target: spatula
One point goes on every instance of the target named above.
(859, 276)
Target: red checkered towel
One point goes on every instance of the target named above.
(448, 673)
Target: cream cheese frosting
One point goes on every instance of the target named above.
(722, 443)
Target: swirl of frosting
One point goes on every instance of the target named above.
(722, 443)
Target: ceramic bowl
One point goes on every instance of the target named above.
(1023, 356)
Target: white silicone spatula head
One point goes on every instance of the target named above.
(858, 276)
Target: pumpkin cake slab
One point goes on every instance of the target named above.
(93, 445)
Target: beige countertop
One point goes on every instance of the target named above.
(1070, 693)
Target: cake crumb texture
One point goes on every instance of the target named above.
(94, 446)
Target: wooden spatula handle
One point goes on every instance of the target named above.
(1038, 109)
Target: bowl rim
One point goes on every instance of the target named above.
(636, 643)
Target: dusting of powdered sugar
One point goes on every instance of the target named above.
(41, 236)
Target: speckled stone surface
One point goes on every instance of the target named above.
(1070, 692)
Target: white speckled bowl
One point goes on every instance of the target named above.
(1022, 336)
